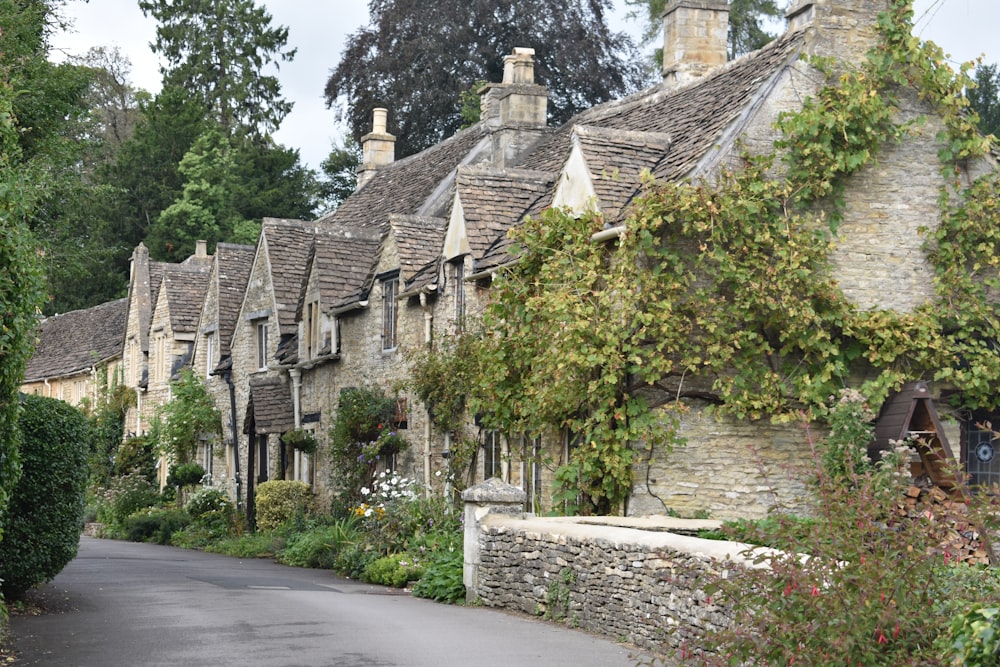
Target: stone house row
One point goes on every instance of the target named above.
(279, 330)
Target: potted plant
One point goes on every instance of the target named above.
(300, 439)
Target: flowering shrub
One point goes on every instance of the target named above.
(126, 495)
(362, 438)
(866, 586)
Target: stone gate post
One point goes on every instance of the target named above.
(490, 497)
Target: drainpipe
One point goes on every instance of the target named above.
(228, 377)
(428, 330)
(48, 388)
(296, 375)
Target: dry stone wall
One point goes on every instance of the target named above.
(627, 580)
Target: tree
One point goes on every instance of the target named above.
(415, 58)
(985, 98)
(20, 274)
(112, 101)
(746, 19)
(206, 208)
(218, 51)
(341, 170)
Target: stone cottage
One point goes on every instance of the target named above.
(78, 353)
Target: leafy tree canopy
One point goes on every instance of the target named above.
(415, 58)
(984, 98)
(218, 51)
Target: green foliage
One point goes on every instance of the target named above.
(125, 496)
(300, 439)
(974, 637)
(137, 455)
(321, 545)
(219, 54)
(185, 474)
(340, 169)
(281, 501)
(362, 436)
(155, 524)
(208, 501)
(421, 78)
(851, 430)
(443, 378)
(20, 275)
(442, 578)
(724, 291)
(876, 588)
(46, 512)
(107, 422)
(984, 98)
(251, 545)
(395, 570)
(190, 414)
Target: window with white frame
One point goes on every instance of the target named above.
(313, 339)
(458, 292)
(261, 329)
(209, 353)
(390, 290)
(207, 454)
(492, 455)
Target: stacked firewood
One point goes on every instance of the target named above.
(957, 537)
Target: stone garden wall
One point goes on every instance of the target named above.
(624, 577)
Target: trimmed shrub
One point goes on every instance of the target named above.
(137, 455)
(395, 570)
(280, 501)
(46, 511)
(185, 474)
(155, 524)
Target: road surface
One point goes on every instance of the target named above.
(122, 604)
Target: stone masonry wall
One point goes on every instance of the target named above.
(642, 586)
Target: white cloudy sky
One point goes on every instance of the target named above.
(965, 29)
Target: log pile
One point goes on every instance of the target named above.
(958, 538)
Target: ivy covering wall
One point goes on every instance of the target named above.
(724, 290)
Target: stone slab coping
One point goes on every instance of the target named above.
(628, 534)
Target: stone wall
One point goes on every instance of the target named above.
(625, 578)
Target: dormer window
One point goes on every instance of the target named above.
(390, 312)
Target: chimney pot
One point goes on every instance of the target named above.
(378, 148)
(201, 248)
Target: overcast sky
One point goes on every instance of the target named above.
(318, 29)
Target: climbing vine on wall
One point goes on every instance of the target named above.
(723, 290)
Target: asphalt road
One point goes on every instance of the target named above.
(121, 604)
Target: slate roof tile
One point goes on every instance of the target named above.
(418, 242)
(73, 342)
(184, 286)
(233, 263)
(270, 406)
(288, 244)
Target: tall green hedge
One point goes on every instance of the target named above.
(46, 509)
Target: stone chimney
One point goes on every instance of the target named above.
(842, 29)
(378, 148)
(514, 110)
(201, 248)
(695, 38)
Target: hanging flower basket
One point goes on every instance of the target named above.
(300, 439)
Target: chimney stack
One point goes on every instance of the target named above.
(842, 29)
(695, 38)
(201, 248)
(378, 148)
(515, 110)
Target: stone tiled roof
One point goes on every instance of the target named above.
(421, 184)
(343, 260)
(73, 342)
(616, 159)
(495, 201)
(270, 406)
(418, 242)
(684, 125)
(288, 244)
(184, 286)
(233, 263)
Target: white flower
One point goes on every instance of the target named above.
(365, 490)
